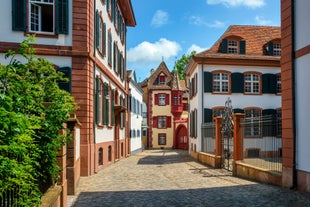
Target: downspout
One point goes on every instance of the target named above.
(294, 95)
(94, 91)
(202, 104)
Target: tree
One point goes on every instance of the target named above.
(32, 112)
(180, 64)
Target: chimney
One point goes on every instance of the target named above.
(152, 71)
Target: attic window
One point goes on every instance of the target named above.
(272, 48)
(161, 80)
(232, 47)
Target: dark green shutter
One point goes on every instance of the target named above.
(65, 85)
(269, 82)
(207, 115)
(237, 110)
(19, 15)
(269, 122)
(224, 46)
(106, 103)
(104, 39)
(97, 91)
(108, 6)
(114, 57)
(242, 47)
(119, 63)
(207, 81)
(237, 83)
(113, 11)
(112, 108)
(62, 17)
(270, 48)
(97, 23)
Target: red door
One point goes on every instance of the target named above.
(181, 138)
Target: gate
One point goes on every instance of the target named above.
(227, 139)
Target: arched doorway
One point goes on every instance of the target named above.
(181, 138)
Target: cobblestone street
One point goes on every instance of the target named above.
(171, 178)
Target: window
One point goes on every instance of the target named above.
(161, 139)
(162, 99)
(110, 48)
(99, 101)
(252, 83)
(110, 153)
(41, 16)
(220, 82)
(232, 47)
(161, 80)
(252, 122)
(100, 156)
(162, 122)
(276, 49)
(175, 99)
(279, 84)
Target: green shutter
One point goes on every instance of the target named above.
(112, 108)
(65, 85)
(269, 82)
(19, 15)
(224, 46)
(270, 48)
(113, 11)
(97, 91)
(207, 81)
(62, 17)
(207, 115)
(242, 47)
(97, 23)
(104, 39)
(114, 57)
(237, 83)
(106, 104)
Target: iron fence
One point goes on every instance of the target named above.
(208, 137)
(262, 143)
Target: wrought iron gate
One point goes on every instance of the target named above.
(227, 131)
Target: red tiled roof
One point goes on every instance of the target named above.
(255, 36)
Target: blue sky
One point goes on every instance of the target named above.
(167, 29)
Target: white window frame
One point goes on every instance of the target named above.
(232, 47)
(162, 99)
(279, 84)
(218, 78)
(251, 84)
(276, 49)
(37, 4)
(161, 122)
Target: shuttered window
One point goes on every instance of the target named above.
(269, 83)
(207, 81)
(237, 83)
(65, 85)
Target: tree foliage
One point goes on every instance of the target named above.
(32, 112)
(180, 64)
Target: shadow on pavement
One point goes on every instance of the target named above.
(246, 195)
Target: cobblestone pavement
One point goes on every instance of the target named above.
(168, 178)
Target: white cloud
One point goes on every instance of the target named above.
(261, 21)
(196, 48)
(199, 21)
(153, 52)
(234, 3)
(160, 18)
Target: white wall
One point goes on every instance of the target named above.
(303, 112)
(301, 23)
(7, 35)
(136, 120)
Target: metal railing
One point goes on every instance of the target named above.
(261, 146)
(208, 137)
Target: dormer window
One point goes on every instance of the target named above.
(233, 45)
(161, 80)
(272, 48)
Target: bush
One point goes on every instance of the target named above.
(32, 112)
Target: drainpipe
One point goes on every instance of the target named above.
(94, 91)
(202, 107)
(294, 95)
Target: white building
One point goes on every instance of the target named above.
(136, 106)
(244, 65)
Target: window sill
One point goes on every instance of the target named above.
(38, 34)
